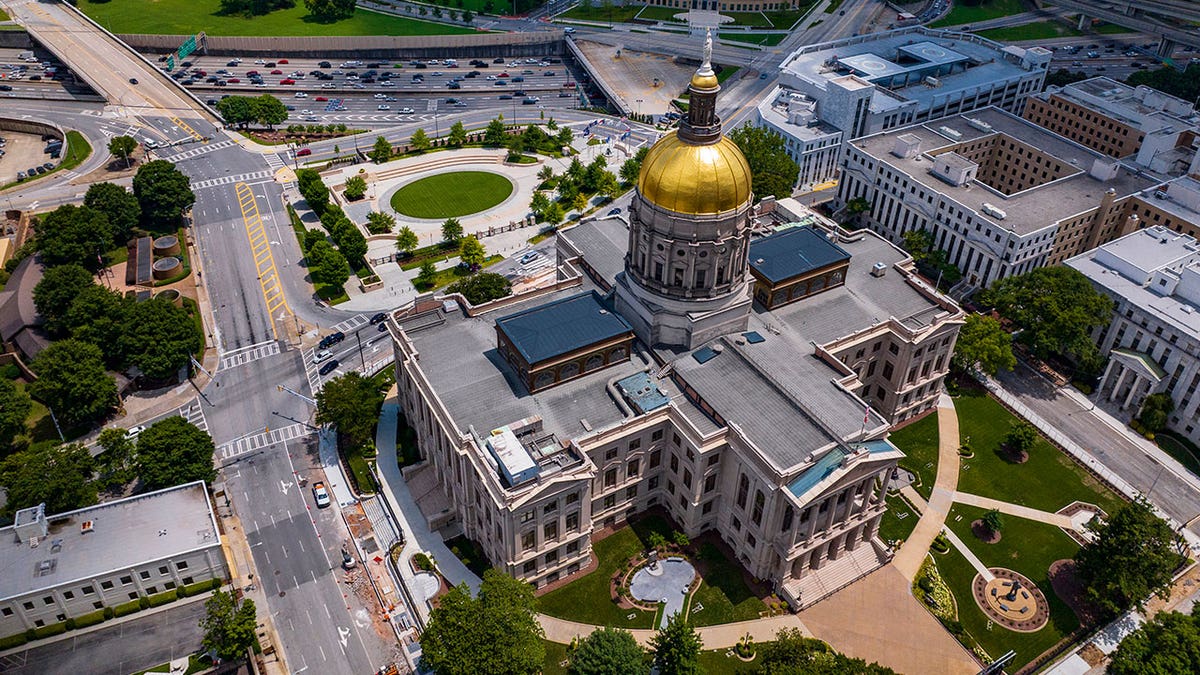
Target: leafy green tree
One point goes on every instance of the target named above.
(472, 251)
(420, 140)
(159, 338)
(1020, 438)
(237, 111)
(1131, 557)
(496, 632)
(73, 235)
(406, 240)
(1184, 85)
(58, 475)
(379, 222)
(122, 147)
(1156, 410)
(229, 625)
(356, 188)
(15, 406)
(99, 316)
(313, 189)
(173, 451)
(311, 237)
(538, 203)
(427, 274)
(73, 382)
(1056, 309)
(982, 341)
(993, 521)
(118, 205)
(163, 193)
(350, 241)
(579, 202)
(381, 151)
(468, 17)
(452, 230)
(608, 185)
(1167, 644)
(326, 265)
(630, 170)
(330, 10)
(116, 465)
(676, 647)
(546, 173)
(554, 213)
(495, 134)
(352, 402)
(53, 295)
(608, 651)
(458, 135)
(1062, 77)
(772, 171)
(790, 653)
(269, 110)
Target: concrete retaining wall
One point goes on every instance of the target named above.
(15, 39)
(541, 43)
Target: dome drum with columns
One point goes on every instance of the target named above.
(688, 235)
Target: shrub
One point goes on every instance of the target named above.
(656, 540)
(15, 640)
(29, 634)
(126, 608)
(108, 612)
(199, 587)
(423, 562)
(70, 623)
(47, 631)
(162, 598)
(91, 618)
(680, 538)
(143, 602)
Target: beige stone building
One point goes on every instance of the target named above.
(540, 419)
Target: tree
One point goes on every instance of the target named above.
(427, 274)
(269, 110)
(1131, 557)
(494, 134)
(15, 406)
(406, 240)
(1166, 645)
(420, 140)
(579, 202)
(163, 193)
(381, 151)
(352, 402)
(159, 338)
(676, 647)
(1184, 85)
(983, 342)
(73, 383)
(1156, 410)
(57, 475)
(993, 521)
(772, 170)
(553, 213)
(173, 451)
(237, 111)
(495, 633)
(458, 135)
(538, 203)
(468, 17)
(1056, 309)
(311, 237)
(330, 10)
(452, 230)
(1062, 77)
(790, 653)
(472, 251)
(73, 234)
(313, 189)
(356, 188)
(118, 205)
(53, 295)
(116, 465)
(380, 223)
(326, 265)
(630, 170)
(229, 625)
(608, 185)
(482, 287)
(1020, 438)
(608, 651)
(122, 147)
(99, 316)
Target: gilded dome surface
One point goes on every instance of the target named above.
(695, 179)
(706, 80)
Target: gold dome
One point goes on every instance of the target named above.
(704, 81)
(695, 179)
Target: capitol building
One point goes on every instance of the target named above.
(739, 378)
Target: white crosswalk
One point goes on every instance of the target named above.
(193, 413)
(350, 324)
(200, 150)
(227, 180)
(274, 161)
(254, 442)
(311, 371)
(248, 354)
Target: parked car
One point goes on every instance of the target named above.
(321, 495)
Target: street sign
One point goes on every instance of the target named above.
(188, 46)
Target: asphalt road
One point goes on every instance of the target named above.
(128, 647)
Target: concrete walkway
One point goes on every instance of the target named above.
(724, 636)
(1056, 519)
(908, 559)
(966, 552)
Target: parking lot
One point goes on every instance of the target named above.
(21, 152)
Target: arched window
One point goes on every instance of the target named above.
(544, 379)
(743, 490)
(616, 354)
(568, 370)
(593, 362)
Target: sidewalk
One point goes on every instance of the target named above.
(910, 556)
(1056, 519)
(723, 636)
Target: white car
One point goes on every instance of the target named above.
(387, 83)
(380, 96)
(491, 77)
(321, 495)
(323, 355)
(301, 94)
(133, 431)
(406, 111)
(384, 106)
(328, 85)
(306, 112)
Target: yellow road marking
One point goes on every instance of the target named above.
(264, 261)
(184, 125)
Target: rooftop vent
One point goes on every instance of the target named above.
(979, 124)
(1160, 194)
(994, 211)
(878, 269)
(87, 526)
(952, 134)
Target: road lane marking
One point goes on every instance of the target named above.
(264, 260)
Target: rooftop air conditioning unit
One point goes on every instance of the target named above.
(994, 212)
(878, 269)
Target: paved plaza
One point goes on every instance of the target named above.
(666, 581)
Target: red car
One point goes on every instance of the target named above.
(233, 80)
(304, 152)
(281, 61)
(251, 72)
(276, 72)
(321, 98)
(287, 82)
(502, 75)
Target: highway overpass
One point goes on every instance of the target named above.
(1133, 14)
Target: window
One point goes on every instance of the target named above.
(610, 501)
(655, 458)
(572, 547)
(106, 585)
(552, 557)
(611, 453)
(743, 491)
(751, 540)
(529, 567)
(527, 516)
(687, 478)
(573, 521)
(27, 605)
(788, 515)
(656, 435)
(528, 541)
(736, 524)
(653, 482)
(674, 463)
(757, 514)
(88, 590)
(635, 444)
(551, 507)
(164, 570)
(676, 440)
(707, 508)
(690, 455)
(133, 595)
(573, 497)
(69, 595)
(48, 600)
(887, 370)
(632, 471)
(710, 482)
(712, 459)
(631, 492)
(181, 565)
(192, 580)
(126, 580)
(550, 531)
(682, 501)
(7, 611)
(152, 590)
(610, 478)
(670, 487)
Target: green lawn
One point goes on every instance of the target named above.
(1183, 450)
(448, 195)
(650, 13)
(719, 662)
(919, 441)
(893, 527)
(184, 17)
(3, 15)
(786, 18)
(1048, 481)
(1039, 30)
(989, 9)
(1026, 546)
(587, 599)
(452, 274)
(755, 19)
(723, 593)
(613, 14)
(555, 655)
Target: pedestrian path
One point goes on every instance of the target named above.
(966, 552)
(247, 354)
(908, 560)
(1017, 510)
(723, 636)
(254, 442)
(252, 177)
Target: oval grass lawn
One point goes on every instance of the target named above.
(448, 195)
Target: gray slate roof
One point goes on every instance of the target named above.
(562, 326)
(793, 252)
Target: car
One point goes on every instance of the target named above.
(5, 87)
(40, 169)
(281, 61)
(518, 92)
(48, 165)
(501, 83)
(390, 99)
(451, 101)
(35, 78)
(762, 76)
(328, 85)
(321, 98)
(289, 108)
(527, 72)
(529, 100)
(382, 327)
(491, 77)
(329, 367)
(530, 257)
(324, 64)
(563, 94)
(270, 64)
(406, 111)
(233, 63)
(383, 106)
(438, 73)
(568, 30)
(613, 212)
(518, 79)
(219, 83)
(453, 85)
(304, 152)
(251, 73)
(505, 97)
(378, 318)
(287, 82)
(331, 339)
(380, 96)
(276, 72)
(322, 355)
(133, 80)
(348, 561)
(549, 73)
(503, 75)
(234, 80)
(498, 59)
(321, 495)
(211, 101)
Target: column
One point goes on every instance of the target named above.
(853, 537)
(1133, 390)
(1107, 372)
(1112, 395)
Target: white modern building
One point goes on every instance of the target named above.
(1153, 341)
(58, 566)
